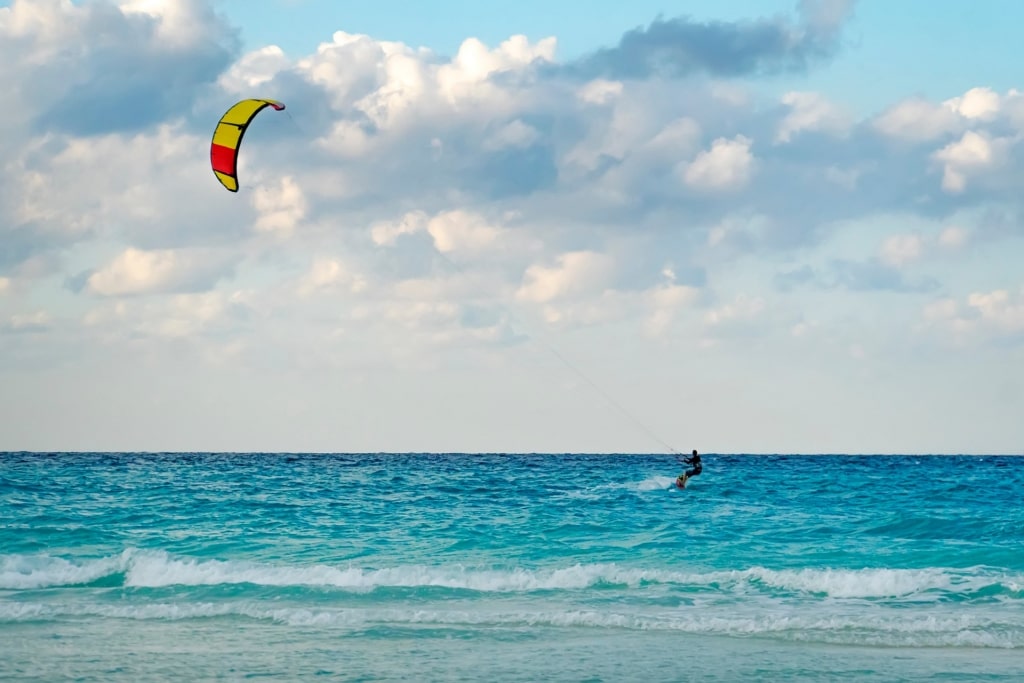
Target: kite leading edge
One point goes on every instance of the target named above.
(227, 137)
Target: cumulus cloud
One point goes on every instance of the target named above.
(898, 250)
(328, 274)
(972, 154)
(744, 316)
(97, 67)
(728, 165)
(977, 103)
(996, 315)
(917, 119)
(453, 232)
(514, 134)
(135, 271)
(280, 206)
(811, 112)
(254, 69)
(954, 237)
(23, 323)
(181, 316)
(665, 301)
(573, 274)
(742, 308)
(600, 91)
(153, 192)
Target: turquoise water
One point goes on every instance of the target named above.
(134, 567)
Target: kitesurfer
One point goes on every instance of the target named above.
(696, 467)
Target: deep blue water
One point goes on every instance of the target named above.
(510, 567)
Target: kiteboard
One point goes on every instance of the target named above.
(681, 481)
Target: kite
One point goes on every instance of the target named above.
(227, 136)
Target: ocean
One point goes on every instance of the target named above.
(491, 567)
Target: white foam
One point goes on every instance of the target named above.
(853, 583)
(655, 484)
(888, 629)
(26, 572)
(154, 569)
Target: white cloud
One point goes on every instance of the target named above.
(901, 250)
(180, 316)
(918, 120)
(736, 233)
(450, 231)
(38, 321)
(732, 94)
(898, 250)
(280, 208)
(607, 307)
(974, 152)
(802, 329)
(464, 77)
(135, 271)
(982, 316)
(845, 178)
(462, 230)
(1013, 108)
(742, 318)
(743, 308)
(385, 233)
(1000, 309)
(728, 165)
(64, 50)
(399, 88)
(953, 237)
(348, 139)
(811, 111)
(328, 274)
(180, 22)
(254, 69)
(575, 274)
(514, 134)
(622, 128)
(343, 66)
(942, 309)
(665, 301)
(157, 193)
(600, 91)
(976, 103)
(404, 87)
(677, 139)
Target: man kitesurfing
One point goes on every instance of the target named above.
(694, 461)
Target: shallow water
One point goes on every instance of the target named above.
(510, 567)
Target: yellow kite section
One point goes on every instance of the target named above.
(227, 138)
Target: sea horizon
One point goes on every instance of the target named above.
(510, 452)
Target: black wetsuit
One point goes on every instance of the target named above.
(697, 467)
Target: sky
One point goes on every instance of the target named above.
(753, 227)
